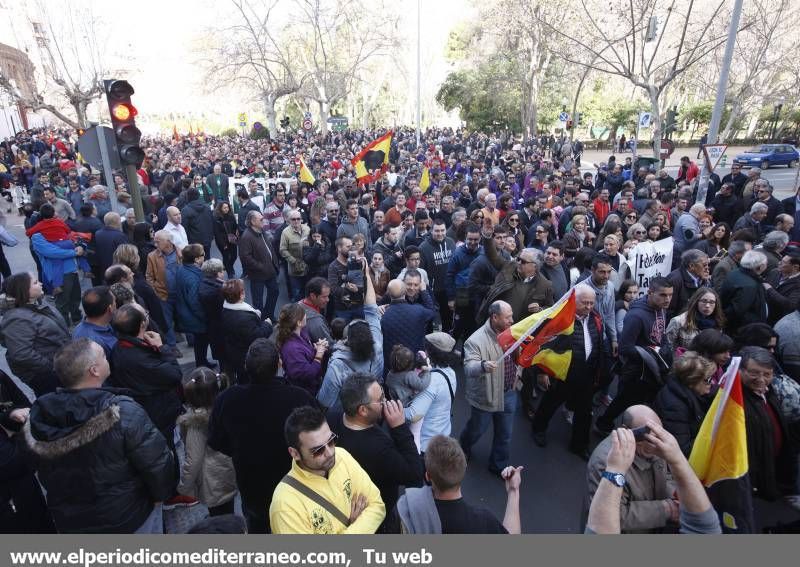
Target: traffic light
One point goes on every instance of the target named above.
(285, 122)
(123, 122)
(578, 118)
(569, 124)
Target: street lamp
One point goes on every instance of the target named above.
(778, 107)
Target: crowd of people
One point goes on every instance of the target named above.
(333, 413)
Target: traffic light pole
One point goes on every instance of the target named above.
(136, 195)
(109, 173)
(722, 87)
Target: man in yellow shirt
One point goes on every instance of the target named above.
(326, 492)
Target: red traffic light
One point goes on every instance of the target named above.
(123, 111)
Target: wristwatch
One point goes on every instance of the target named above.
(617, 479)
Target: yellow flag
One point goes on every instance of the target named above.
(305, 174)
(425, 181)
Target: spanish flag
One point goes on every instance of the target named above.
(373, 161)
(543, 338)
(719, 455)
(175, 135)
(425, 181)
(305, 174)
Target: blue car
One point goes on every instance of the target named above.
(767, 155)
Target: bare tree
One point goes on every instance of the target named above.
(335, 38)
(618, 39)
(762, 70)
(253, 51)
(70, 52)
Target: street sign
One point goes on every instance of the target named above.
(307, 124)
(242, 124)
(563, 117)
(307, 116)
(243, 118)
(644, 119)
(713, 153)
(89, 146)
(667, 148)
(337, 120)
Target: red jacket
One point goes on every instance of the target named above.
(601, 210)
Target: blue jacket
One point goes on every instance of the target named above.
(458, 269)
(404, 324)
(189, 311)
(341, 364)
(56, 259)
(106, 240)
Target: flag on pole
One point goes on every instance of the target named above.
(175, 135)
(305, 174)
(373, 160)
(719, 455)
(544, 338)
(425, 180)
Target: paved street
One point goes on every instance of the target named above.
(781, 177)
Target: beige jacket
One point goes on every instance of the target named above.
(206, 474)
(291, 249)
(648, 483)
(484, 390)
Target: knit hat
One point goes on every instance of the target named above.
(441, 341)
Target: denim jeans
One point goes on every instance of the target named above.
(168, 307)
(257, 288)
(349, 314)
(503, 422)
(296, 287)
(154, 524)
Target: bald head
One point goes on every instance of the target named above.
(638, 416)
(396, 289)
(174, 215)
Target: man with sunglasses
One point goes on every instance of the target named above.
(737, 178)
(390, 459)
(326, 491)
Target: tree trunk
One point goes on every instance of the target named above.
(736, 110)
(655, 121)
(324, 114)
(269, 112)
(80, 112)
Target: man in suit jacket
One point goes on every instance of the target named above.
(218, 182)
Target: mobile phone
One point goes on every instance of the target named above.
(640, 432)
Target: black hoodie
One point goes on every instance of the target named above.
(101, 460)
(643, 327)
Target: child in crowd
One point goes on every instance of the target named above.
(206, 474)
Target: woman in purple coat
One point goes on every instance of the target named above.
(302, 359)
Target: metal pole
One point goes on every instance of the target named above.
(419, 78)
(722, 87)
(109, 173)
(136, 196)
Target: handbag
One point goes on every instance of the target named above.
(788, 393)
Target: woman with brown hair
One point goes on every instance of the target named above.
(302, 359)
(226, 235)
(241, 325)
(683, 401)
(704, 311)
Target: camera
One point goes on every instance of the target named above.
(355, 275)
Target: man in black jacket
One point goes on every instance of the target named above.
(247, 425)
(391, 460)
(726, 206)
(198, 221)
(737, 178)
(103, 463)
(436, 252)
(147, 368)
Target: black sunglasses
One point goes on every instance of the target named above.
(317, 451)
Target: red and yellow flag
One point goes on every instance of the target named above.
(305, 175)
(543, 338)
(425, 180)
(373, 160)
(719, 454)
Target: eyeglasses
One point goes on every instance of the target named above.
(331, 442)
(708, 301)
(513, 220)
(709, 380)
(631, 217)
(638, 232)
